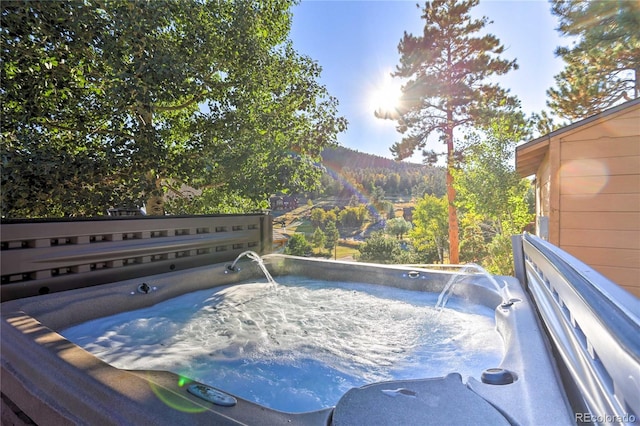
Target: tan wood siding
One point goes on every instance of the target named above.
(612, 263)
(599, 179)
(601, 238)
(626, 123)
(601, 148)
(611, 166)
(529, 157)
(544, 186)
(629, 278)
(622, 184)
(601, 220)
(600, 203)
(588, 186)
(602, 256)
(554, 192)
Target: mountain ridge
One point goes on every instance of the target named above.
(340, 157)
(348, 172)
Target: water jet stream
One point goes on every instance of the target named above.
(256, 258)
(447, 289)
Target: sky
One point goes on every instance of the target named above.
(356, 42)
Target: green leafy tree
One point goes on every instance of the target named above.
(492, 195)
(317, 217)
(398, 226)
(379, 248)
(431, 183)
(603, 64)
(386, 209)
(499, 260)
(352, 216)
(473, 245)
(319, 239)
(450, 84)
(393, 183)
(212, 201)
(297, 245)
(378, 201)
(430, 227)
(116, 102)
(330, 217)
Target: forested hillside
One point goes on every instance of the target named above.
(349, 172)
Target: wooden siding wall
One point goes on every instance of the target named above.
(543, 188)
(543, 179)
(599, 190)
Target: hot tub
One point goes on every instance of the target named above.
(53, 381)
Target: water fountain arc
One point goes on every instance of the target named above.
(252, 255)
(465, 270)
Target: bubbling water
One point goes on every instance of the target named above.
(301, 347)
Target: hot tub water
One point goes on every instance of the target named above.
(300, 345)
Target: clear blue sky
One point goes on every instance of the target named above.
(356, 42)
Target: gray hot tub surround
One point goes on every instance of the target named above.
(55, 382)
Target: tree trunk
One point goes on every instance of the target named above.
(154, 205)
(454, 255)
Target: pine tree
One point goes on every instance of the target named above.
(447, 70)
(332, 235)
(603, 64)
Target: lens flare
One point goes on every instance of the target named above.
(584, 176)
(174, 399)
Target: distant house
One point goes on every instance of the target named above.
(290, 203)
(286, 202)
(587, 181)
(276, 202)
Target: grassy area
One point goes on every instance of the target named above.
(346, 252)
(342, 252)
(297, 221)
(304, 227)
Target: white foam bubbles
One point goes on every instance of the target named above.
(300, 346)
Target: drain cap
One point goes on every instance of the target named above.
(497, 376)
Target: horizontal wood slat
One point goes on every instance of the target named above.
(629, 278)
(600, 238)
(621, 184)
(601, 220)
(601, 148)
(599, 256)
(623, 125)
(600, 203)
(628, 165)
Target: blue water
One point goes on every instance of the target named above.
(300, 345)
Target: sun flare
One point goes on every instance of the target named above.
(385, 97)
